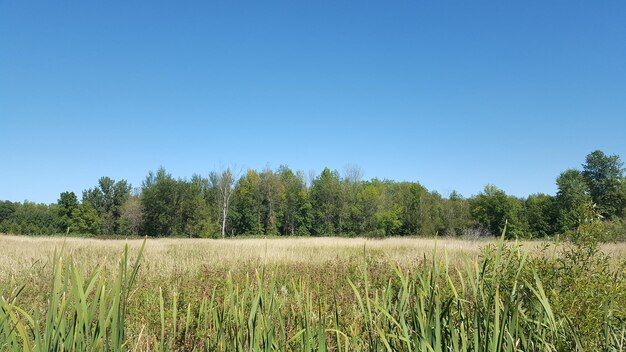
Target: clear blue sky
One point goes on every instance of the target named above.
(454, 95)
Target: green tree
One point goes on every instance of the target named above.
(160, 201)
(67, 203)
(420, 210)
(604, 175)
(352, 214)
(295, 207)
(7, 209)
(367, 210)
(540, 214)
(246, 205)
(572, 198)
(493, 209)
(174, 207)
(272, 195)
(382, 213)
(29, 218)
(85, 219)
(194, 217)
(455, 215)
(107, 198)
(326, 201)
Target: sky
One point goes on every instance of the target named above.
(452, 94)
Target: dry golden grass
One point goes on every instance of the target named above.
(165, 256)
(20, 252)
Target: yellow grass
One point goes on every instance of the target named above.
(19, 253)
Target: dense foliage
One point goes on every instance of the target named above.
(284, 202)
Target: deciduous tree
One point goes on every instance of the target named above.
(572, 198)
(223, 184)
(107, 198)
(604, 175)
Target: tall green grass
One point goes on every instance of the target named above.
(494, 303)
(84, 313)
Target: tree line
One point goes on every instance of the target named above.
(282, 203)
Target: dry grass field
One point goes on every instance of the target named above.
(164, 257)
(170, 255)
(179, 273)
(199, 265)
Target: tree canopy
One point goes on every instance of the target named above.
(281, 202)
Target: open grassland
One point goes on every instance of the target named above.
(169, 256)
(343, 294)
(164, 257)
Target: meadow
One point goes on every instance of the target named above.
(306, 294)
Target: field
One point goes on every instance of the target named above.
(311, 294)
